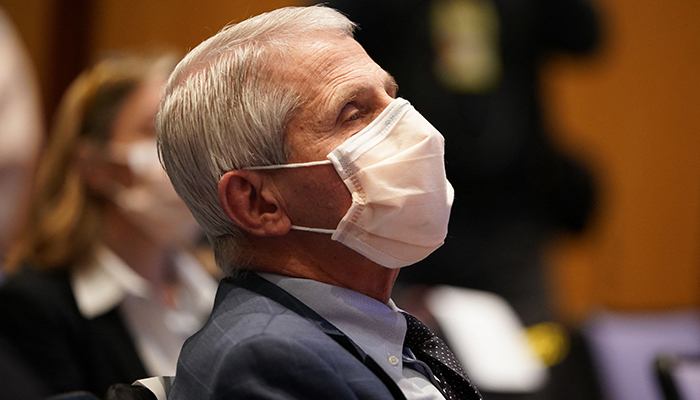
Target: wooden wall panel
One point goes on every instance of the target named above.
(34, 21)
(48, 28)
(636, 110)
(181, 24)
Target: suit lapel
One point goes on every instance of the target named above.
(256, 284)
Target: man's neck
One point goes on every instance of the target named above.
(323, 260)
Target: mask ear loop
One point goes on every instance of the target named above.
(293, 165)
(297, 165)
(315, 230)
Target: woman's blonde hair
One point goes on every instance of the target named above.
(65, 219)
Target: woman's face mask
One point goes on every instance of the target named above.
(151, 203)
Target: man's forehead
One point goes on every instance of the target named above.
(325, 61)
(321, 54)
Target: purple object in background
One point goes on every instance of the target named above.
(624, 347)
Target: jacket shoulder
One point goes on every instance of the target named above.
(253, 347)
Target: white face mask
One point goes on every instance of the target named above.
(152, 204)
(401, 198)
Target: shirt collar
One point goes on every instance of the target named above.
(102, 285)
(379, 329)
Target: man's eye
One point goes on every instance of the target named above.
(350, 113)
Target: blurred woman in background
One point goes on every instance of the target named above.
(101, 290)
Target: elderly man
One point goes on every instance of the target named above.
(314, 184)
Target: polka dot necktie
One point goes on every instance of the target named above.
(434, 352)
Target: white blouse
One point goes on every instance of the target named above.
(158, 331)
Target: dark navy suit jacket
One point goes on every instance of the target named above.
(262, 343)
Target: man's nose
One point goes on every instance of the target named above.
(385, 100)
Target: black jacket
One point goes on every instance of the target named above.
(40, 320)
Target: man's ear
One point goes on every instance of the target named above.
(251, 205)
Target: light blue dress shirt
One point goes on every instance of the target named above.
(377, 328)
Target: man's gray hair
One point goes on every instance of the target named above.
(223, 109)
